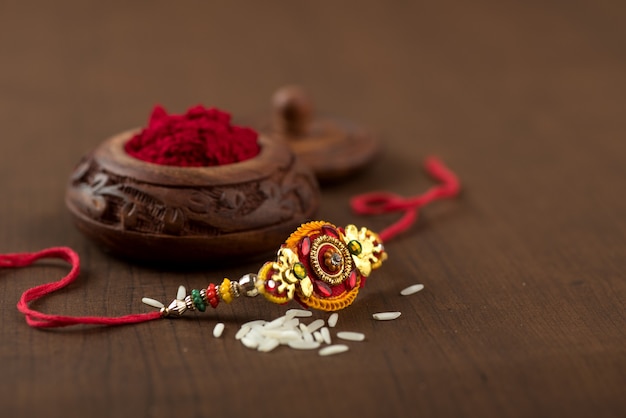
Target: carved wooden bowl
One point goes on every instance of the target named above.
(152, 212)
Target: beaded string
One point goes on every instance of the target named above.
(355, 251)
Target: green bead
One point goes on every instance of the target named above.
(197, 300)
(354, 247)
(299, 271)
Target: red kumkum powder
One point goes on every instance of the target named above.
(200, 138)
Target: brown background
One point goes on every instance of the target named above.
(523, 313)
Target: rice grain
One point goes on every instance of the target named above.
(268, 345)
(332, 319)
(303, 345)
(218, 330)
(299, 313)
(351, 336)
(333, 349)
(411, 289)
(315, 325)
(326, 335)
(386, 316)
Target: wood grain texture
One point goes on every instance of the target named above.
(523, 312)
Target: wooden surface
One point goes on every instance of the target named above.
(523, 313)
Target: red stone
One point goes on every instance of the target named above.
(322, 288)
(329, 230)
(305, 246)
(270, 285)
(350, 282)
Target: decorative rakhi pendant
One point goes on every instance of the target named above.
(320, 266)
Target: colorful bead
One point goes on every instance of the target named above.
(197, 300)
(225, 291)
(299, 271)
(211, 295)
(355, 247)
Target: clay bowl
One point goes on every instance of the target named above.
(150, 212)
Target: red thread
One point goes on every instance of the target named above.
(199, 138)
(41, 320)
(376, 203)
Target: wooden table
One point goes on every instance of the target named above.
(523, 311)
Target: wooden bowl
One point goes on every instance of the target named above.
(152, 212)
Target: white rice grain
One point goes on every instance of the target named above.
(386, 316)
(242, 332)
(299, 313)
(303, 345)
(250, 342)
(326, 335)
(333, 349)
(256, 322)
(268, 345)
(181, 293)
(315, 325)
(256, 334)
(218, 330)
(411, 289)
(332, 319)
(153, 302)
(351, 336)
(281, 334)
(291, 323)
(276, 323)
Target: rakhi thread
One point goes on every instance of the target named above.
(38, 319)
(377, 203)
(366, 204)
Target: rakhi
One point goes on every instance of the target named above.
(320, 265)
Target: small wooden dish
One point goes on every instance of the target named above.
(152, 212)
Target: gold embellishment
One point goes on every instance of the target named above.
(285, 277)
(342, 273)
(260, 285)
(372, 252)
